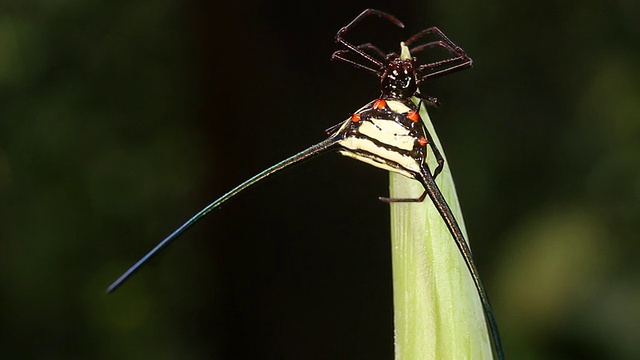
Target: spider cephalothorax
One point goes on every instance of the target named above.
(399, 79)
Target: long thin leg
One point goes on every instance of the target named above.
(437, 64)
(404, 200)
(463, 59)
(467, 63)
(314, 150)
(439, 33)
(443, 208)
(355, 49)
(376, 50)
(459, 54)
(431, 45)
(341, 55)
(436, 154)
(428, 100)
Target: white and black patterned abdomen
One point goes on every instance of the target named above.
(388, 134)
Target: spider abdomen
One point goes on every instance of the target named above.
(388, 134)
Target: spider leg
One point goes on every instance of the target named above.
(339, 55)
(436, 172)
(404, 200)
(434, 148)
(375, 49)
(436, 153)
(459, 61)
(464, 62)
(436, 64)
(340, 39)
(436, 31)
(428, 100)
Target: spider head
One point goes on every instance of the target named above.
(399, 79)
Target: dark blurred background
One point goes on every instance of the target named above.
(121, 119)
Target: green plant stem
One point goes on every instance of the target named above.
(437, 311)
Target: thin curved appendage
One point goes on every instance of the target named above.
(436, 64)
(404, 200)
(430, 45)
(436, 172)
(340, 55)
(355, 49)
(459, 54)
(436, 154)
(428, 100)
(439, 33)
(467, 63)
(447, 215)
(314, 150)
(375, 49)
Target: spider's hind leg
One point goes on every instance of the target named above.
(394, 200)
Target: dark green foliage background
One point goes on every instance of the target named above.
(120, 119)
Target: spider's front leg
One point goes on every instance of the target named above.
(357, 49)
(459, 60)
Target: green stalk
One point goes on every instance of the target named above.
(437, 311)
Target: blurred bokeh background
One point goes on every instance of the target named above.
(120, 119)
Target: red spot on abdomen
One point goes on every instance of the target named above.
(379, 104)
(413, 116)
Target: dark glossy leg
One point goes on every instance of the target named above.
(339, 55)
(403, 200)
(459, 55)
(428, 100)
(340, 39)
